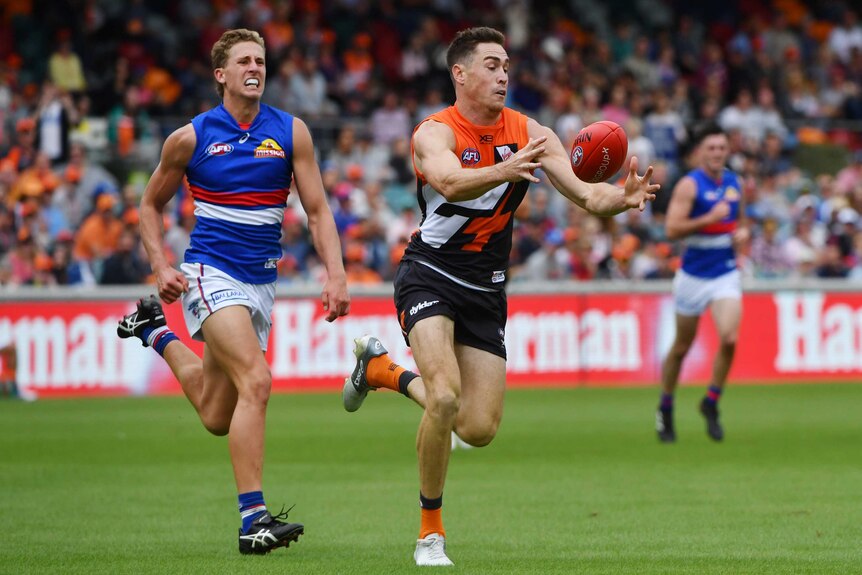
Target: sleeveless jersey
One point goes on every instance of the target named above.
(709, 252)
(239, 179)
(470, 241)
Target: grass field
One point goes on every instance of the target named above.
(575, 482)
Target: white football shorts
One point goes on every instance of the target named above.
(692, 294)
(211, 289)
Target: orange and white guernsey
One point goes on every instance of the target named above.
(469, 242)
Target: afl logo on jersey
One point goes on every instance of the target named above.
(219, 149)
(269, 148)
(470, 157)
(577, 156)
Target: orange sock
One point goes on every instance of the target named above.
(432, 522)
(383, 372)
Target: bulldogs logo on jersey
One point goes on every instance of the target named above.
(470, 157)
(269, 148)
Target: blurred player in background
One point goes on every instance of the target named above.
(239, 159)
(704, 210)
(473, 162)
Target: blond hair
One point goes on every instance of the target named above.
(228, 40)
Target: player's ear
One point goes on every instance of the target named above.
(219, 75)
(458, 74)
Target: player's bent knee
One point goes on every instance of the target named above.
(443, 405)
(478, 436)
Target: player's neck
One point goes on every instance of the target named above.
(477, 114)
(715, 175)
(242, 110)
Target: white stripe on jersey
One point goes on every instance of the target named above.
(458, 281)
(709, 242)
(436, 229)
(247, 217)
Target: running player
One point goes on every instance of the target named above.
(473, 162)
(239, 159)
(704, 209)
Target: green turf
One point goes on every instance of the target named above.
(575, 482)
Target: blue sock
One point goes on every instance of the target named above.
(158, 338)
(713, 394)
(666, 402)
(251, 506)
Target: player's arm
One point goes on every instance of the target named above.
(600, 199)
(434, 157)
(309, 185)
(163, 185)
(678, 223)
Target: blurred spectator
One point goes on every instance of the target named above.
(846, 36)
(125, 265)
(390, 122)
(308, 90)
(64, 67)
(22, 155)
(768, 253)
(357, 270)
(56, 116)
(99, 233)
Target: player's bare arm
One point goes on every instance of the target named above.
(678, 223)
(434, 157)
(163, 185)
(600, 199)
(336, 300)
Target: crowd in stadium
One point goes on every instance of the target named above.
(90, 89)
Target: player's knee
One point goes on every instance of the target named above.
(442, 404)
(728, 342)
(478, 435)
(216, 426)
(256, 386)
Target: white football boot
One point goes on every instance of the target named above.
(431, 551)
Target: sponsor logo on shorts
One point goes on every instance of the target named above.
(225, 295)
(420, 306)
(502, 335)
(497, 277)
(195, 309)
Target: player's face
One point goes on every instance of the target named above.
(714, 150)
(487, 78)
(244, 74)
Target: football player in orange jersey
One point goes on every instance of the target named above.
(473, 163)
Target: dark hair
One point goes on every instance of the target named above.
(461, 49)
(228, 40)
(705, 131)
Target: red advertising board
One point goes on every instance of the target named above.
(71, 348)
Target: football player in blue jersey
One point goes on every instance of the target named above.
(704, 211)
(239, 159)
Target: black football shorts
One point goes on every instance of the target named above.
(479, 316)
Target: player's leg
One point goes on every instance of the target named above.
(236, 350)
(686, 330)
(207, 388)
(483, 386)
(432, 340)
(726, 315)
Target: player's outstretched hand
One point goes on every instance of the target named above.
(521, 164)
(639, 190)
(171, 283)
(335, 299)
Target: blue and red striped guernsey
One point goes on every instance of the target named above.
(239, 177)
(709, 252)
